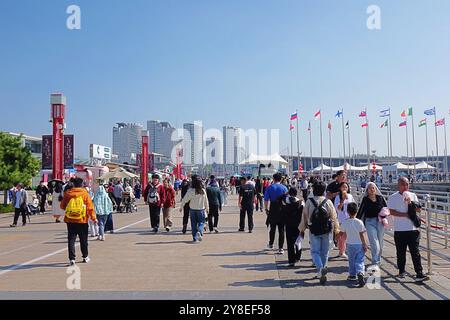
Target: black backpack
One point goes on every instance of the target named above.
(320, 219)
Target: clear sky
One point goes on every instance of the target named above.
(248, 63)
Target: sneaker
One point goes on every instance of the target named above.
(401, 275)
(241, 230)
(167, 229)
(352, 278)
(361, 281)
(199, 236)
(86, 260)
(270, 246)
(250, 231)
(155, 230)
(12, 225)
(323, 275)
(184, 230)
(103, 238)
(58, 221)
(216, 230)
(280, 251)
(71, 262)
(24, 224)
(99, 238)
(292, 264)
(195, 241)
(421, 277)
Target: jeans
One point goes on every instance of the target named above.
(81, 230)
(375, 233)
(246, 209)
(320, 246)
(213, 217)
(197, 222)
(155, 213)
(355, 259)
(101, 223)
(410, 239)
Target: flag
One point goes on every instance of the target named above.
(291, 127)
(317, 115)
(365, 125)
(406, 113)
(402, 124)
(329, 125)
(422, 123)
(309, 126)
(430, 112)
(294, 116)
(347, 125)
(339, 114)
(363, 114)
(440, 122)
(384, 124)
(385, 113)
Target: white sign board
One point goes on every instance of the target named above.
(100, 152)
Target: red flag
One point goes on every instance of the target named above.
(292, 127)
(317, 115)
(440, 122)
(363, 114)
(364, 125)
(294, 116)
(402, 124)
(329, 125)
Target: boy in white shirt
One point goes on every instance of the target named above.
(354, 230)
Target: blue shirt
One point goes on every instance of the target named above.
(274, 192)
(18, 198)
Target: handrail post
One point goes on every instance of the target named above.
(428, 229)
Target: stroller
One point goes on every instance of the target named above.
(128, 203)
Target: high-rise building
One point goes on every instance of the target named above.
(214, 152)
(127, 141)
(163, 137)
(232, 149)
(193, 137)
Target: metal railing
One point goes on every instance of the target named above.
(435, 214)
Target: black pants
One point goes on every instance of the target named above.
(109, 226)
(155, 213)
(305, 194)
(21, 211)
(185, 214)
(292, 234)
(118, 202)
(273, 227)
(410, 239)
(259, 202)
(246, 209)
(213, 214)
(42, 204)
(81, 230)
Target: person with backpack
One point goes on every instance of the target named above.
(406, 228)
(273, 196)
(319, 216)
(247, 197)
(78, 208)
(103, 207)
(291, 211)
(215, 204)
(154, 196)
(169, 203)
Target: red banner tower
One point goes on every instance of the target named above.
(58, 111)
(144, 162)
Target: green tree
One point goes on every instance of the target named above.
(16, 162)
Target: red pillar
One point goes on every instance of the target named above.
(58, 102)
(144, 162)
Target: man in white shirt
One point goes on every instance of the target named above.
(406, 235)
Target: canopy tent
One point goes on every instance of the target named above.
(118, 173)
(264, 159)
(424, 166)
(321, 167)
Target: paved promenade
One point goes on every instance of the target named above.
(134, 263)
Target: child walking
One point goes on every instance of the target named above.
(354, 231)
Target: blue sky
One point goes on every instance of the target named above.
(248, 63)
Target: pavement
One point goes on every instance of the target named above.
(135, 263)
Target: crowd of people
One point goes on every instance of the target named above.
(294, 207)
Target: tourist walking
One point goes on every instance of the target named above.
(215, 204)
(57, 192)
(304, 187)
(42, 192)
(154, 196)
(198, 208)
(406, 233)
(103, 208)
(118, 191)
(319, 216)
(169, 203)
(273, 196)
(137, 190)
(341, 202)
(247, 196)
(19, 201)
(79, 209)
(291, 211)
(259, 195)
(184, 189)
(371, 205)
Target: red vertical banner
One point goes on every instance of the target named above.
(68, 151)
(47, 152)
(144, 162)
(58, 105)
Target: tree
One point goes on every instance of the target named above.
(16, 162)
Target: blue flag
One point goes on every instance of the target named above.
(339, 114)
(430, 112)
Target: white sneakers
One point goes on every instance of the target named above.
(101, 238)
(216, 230)
(199, 236)
(86, 260)
(72, 262)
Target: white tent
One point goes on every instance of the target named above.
(320, 167)
(264, 159)
(424, 166)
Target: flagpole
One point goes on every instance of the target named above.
(292, 152)
(329, 136)
(368, 145)
(436, 136)
(387, 130)
(407, 143)
(298, 147)
(426, 141)
(321, 146)
(343, 135)
(310, 145)
(414, 143)
(349, 146)
(390, 133)
(445, 148)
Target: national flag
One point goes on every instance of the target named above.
(339, 113)
(291, 127)
(347, 125)
(363, 114)
(317, 115)
(309, 126)
(384, 124)
(430, 112)
(294, 116)
(440, 122)
(422, 123)
(402, 124)
(406, 113)
(385, 113)
(329, 125)
(365, 125)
